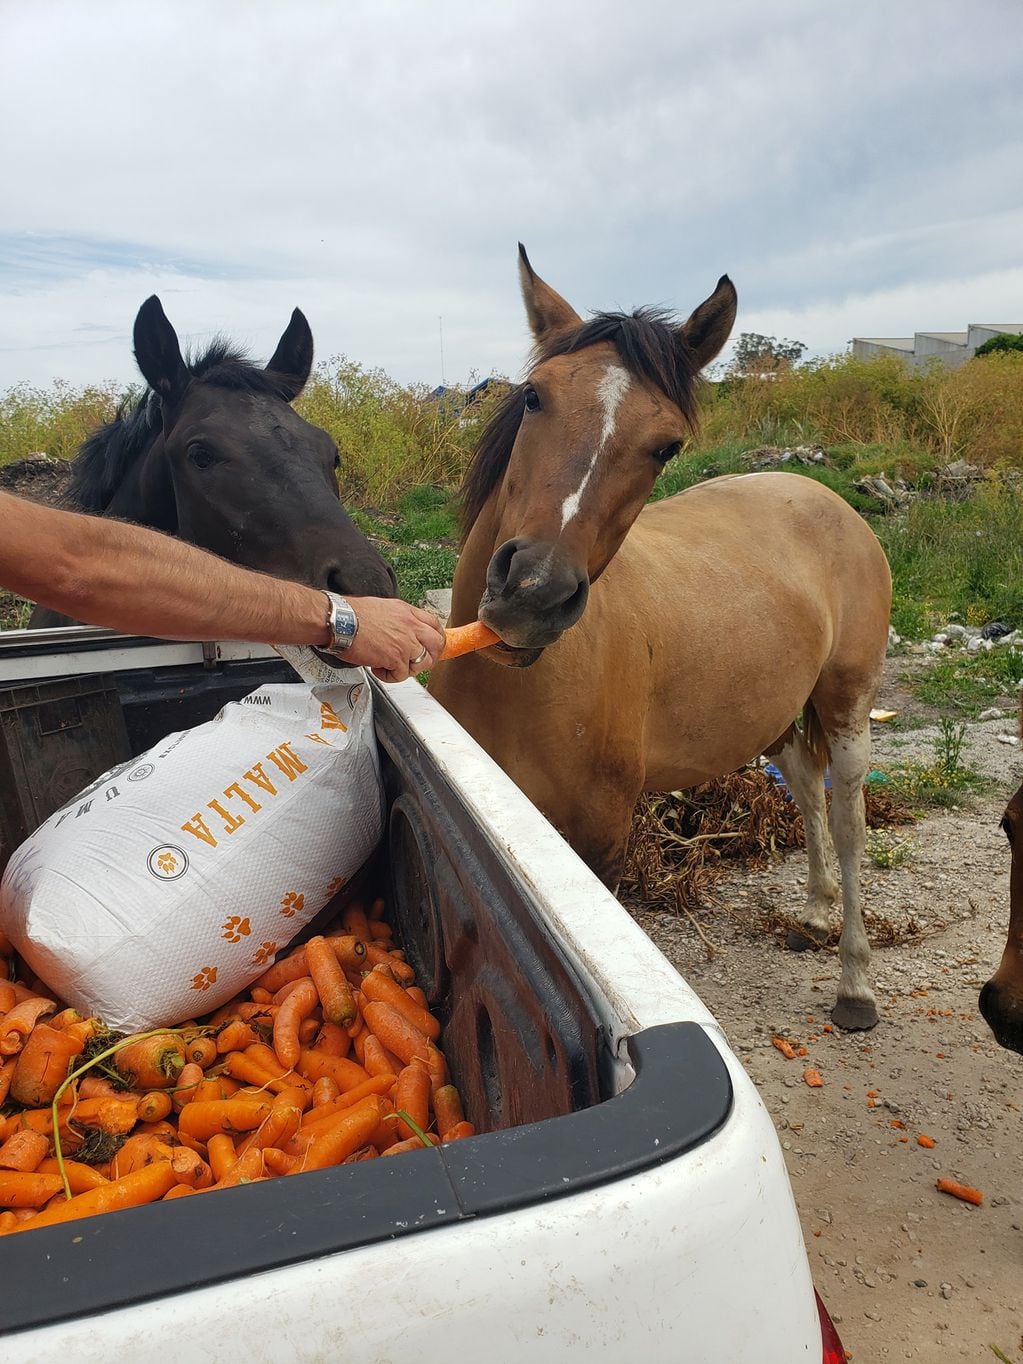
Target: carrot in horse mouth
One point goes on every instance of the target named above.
(957, 1190)
(465, 639)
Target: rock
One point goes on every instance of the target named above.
(955, 631)
(946, 1290)
(1011, 739)
(992, 713)
(438, 600)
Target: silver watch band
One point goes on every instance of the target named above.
(342, 622)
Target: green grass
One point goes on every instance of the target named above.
(945, 781)
(968, 683)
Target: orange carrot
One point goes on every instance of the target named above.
(190, 1168)
(957, 1190)
(8, 998)
(410, 1144)
(246, 1170)
(7, 1069)
(325, 1091)
(394, 1031)
(346, 1074)
(24, 1151)
(81, 1178)
(355, 920)
(153, 1062)
(221, 1154)
(42, 1065)
(340, 1138)
(459, 1132)
(377, 1059)
(447, 1107)
(332, 987)
(235, 1036)
(465, 639)
(21, 1190)
(412, 1094)
(18, 1022)
(261, 996)
(188, 1081)
(813, 1078)
(154, 1106)
(377, 956)
(201, 1120)
(316, 1117)
(379, 988)
(928, 1143)
(203, 1051)
(332, 1040)
(417, 996)
(280, 1162)
(786, 1048)
(98, 1087)
(277, 1129)
(137, 1152)
(300, 1003)
(216, 1087)
(8, 1222)
(143, 1186)
(380, 932)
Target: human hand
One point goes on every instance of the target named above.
(395, 640)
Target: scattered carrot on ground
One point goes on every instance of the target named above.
(813, 1078)
(923, 1140)
(330, 1058)
(786, 1048)
(957, 1190)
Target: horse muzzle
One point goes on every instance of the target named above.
(534, 594)
(1002, 1007)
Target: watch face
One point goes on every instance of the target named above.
(346, 623)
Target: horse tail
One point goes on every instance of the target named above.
(815, 738)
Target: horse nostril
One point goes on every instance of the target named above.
(499, 568)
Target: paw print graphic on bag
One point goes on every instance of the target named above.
(264, 953)
(236, 928)
(291, 904)
(205, 978)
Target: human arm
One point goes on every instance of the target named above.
(138, 581)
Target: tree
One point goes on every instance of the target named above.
(756, 354)
(1002, 342)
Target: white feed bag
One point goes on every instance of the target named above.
(170, 884)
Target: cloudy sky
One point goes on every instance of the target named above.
(856, 168)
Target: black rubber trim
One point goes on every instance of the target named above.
(681, 1095)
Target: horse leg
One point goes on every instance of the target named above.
(803, 776)
(850, 759)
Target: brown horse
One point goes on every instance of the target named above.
(701, 625)
(1001, 1000)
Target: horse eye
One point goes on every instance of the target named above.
(1007, 829)
(668, 453)
(337, 460)
(201, 456)
(532, 399)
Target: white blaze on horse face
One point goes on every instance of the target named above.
(610, 392)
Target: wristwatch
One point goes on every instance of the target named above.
(342, 622)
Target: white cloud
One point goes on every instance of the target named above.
(375, 163)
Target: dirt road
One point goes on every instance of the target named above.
(908, 1273)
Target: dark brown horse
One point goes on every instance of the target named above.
(656, 646)
(215, 454)
(1001, 1000)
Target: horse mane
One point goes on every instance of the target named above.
(100, 466)
(652, 348)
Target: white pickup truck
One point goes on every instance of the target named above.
(627, 1197)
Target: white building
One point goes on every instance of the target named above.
(953, 348)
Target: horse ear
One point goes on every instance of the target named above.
(547, 311)
(157, 352)
(293, 358)
(710, 325)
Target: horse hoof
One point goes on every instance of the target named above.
(854, 1015)
(802, 940)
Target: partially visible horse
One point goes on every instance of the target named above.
(1001, 1000)
(214, 453)
(656, 646)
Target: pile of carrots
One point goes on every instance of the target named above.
(331, 1057)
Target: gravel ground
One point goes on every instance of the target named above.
(907, 1272)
